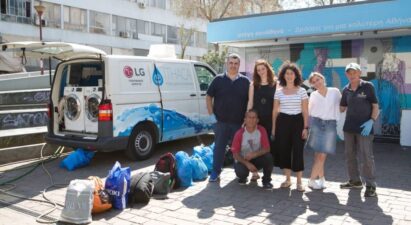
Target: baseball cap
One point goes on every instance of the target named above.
(353, 66)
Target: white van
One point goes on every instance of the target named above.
(113, 102)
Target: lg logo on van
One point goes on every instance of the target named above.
(128, 71)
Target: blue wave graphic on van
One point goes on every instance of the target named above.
(176, 125)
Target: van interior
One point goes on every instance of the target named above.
(79, 76)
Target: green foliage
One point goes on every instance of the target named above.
(216, 59)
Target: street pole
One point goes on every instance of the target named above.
(40, 10)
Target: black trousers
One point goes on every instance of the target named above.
(264, 162)
(266, 122)
(288, 145)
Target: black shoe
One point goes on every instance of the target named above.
(242, 181)
(267, 186)
(370, 192)
(351, 184)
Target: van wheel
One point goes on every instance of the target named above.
(141, 143)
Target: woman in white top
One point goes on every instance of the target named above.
(290, 124)
(323, 109)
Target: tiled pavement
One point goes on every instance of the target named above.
(228, 203)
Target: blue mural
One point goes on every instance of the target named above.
(386, 60)
(175, 125)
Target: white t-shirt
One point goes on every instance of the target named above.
(325, 108)
(251, 142)
(291, 104)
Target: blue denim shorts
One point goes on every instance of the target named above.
(322, 136)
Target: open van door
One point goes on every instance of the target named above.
(57, 50)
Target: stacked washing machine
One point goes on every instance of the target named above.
(92, 97)
(73, 109)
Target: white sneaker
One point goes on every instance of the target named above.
(313, 184)
(321, 182)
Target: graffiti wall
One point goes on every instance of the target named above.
(385, 62)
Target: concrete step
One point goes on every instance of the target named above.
(23, 118)
(26, 152)
(22, 136)
(24, 81)
(24, 98)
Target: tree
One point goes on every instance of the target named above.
(216, 59)
(295, 4)
(331, 2)
(217, 9)
(210, 10)
(185, 37)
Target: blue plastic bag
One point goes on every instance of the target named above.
(206, 154)
(200, 171)
(212, 146)
(77, 159)
(118, 185)
(184, 169)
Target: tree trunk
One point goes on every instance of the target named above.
(216, 47)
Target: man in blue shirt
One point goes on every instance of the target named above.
(361, 103)
(226, 99)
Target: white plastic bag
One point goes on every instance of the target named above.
(79, 202)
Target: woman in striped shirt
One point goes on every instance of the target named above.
(290, 124)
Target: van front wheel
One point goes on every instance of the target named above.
(141, 143)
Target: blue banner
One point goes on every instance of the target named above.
(364, 16)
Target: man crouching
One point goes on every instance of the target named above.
(251, 151)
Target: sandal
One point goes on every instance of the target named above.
(255, 177)
(300, 188)
(285, 184)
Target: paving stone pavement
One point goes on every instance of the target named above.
(226, 202)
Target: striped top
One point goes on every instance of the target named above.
(290, 104)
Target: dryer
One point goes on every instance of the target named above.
(92, 101)
(74, 109)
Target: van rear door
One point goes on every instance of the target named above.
(58, 50)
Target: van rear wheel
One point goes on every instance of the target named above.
(141, 143)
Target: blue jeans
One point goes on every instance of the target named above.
(223, 135)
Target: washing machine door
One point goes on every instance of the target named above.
(92, 103)
(72, 108)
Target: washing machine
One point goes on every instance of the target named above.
(74, 109)
(92, 101)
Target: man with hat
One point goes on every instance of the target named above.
(360, 101)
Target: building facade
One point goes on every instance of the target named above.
(375, 34)
(115, 26)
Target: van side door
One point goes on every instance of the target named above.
(179, 100)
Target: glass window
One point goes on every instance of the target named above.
(190, 33)
(74, 18)
(158, 4)
(99, 22)
(172, 35)
(51, 15)
(201, 39)
(204, 76)
(125, 27)
(143, 27)
(158, 30)
(16, 11)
